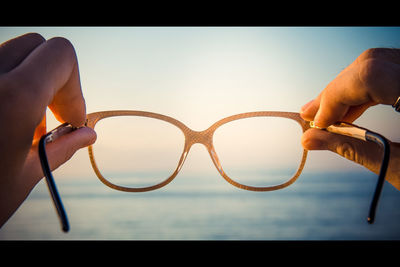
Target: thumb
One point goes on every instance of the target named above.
(62, 149)
(367, 154)
(58, 152)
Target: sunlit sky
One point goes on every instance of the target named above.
(201, 74)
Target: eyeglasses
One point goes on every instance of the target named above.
(138, 151)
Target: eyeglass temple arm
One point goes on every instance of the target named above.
(351, 130)
(47, 138)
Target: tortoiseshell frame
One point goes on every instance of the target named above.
(192, 137)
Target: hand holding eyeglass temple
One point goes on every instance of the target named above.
(36, 73)
(373, 78)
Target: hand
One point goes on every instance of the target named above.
(34, 74)
(373, 78)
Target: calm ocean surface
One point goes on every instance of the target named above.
(318, 206)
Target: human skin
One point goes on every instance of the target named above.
(36, 74)
(372, 79)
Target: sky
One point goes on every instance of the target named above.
(199, 75)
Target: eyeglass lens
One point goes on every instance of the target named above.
(136, 152)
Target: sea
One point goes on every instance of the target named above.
(318, 206)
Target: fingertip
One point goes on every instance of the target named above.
(325, 116)
(62, 149)
(325, 119)
(313, 139)
(308, 111)
(306, 116)
(319, 121)
(87, 136)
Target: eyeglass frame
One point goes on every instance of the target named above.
(206, 138)
(193, 137)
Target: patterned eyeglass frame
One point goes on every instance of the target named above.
(193, 137)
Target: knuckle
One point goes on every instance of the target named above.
(381, 53)
(370, 53)
(62, 44)
(369, 71)
(35, 37)
(60, 41)
(348, 151)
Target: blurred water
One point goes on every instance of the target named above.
(318, 206)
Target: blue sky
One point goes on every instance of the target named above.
(202, 74)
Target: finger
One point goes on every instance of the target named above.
(68, 105)
(364, 153)
(57, 153)
(49, 77)
(64, 148)
(355, 112)
(14, 51)
(387, 54)
(345, 91)
(309, 110)
(329, 112)
(370, 82)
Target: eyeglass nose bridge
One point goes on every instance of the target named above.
(201, 137)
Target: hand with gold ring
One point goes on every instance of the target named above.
(373, 78)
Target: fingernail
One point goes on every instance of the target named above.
(317, 120)
(319, 124)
